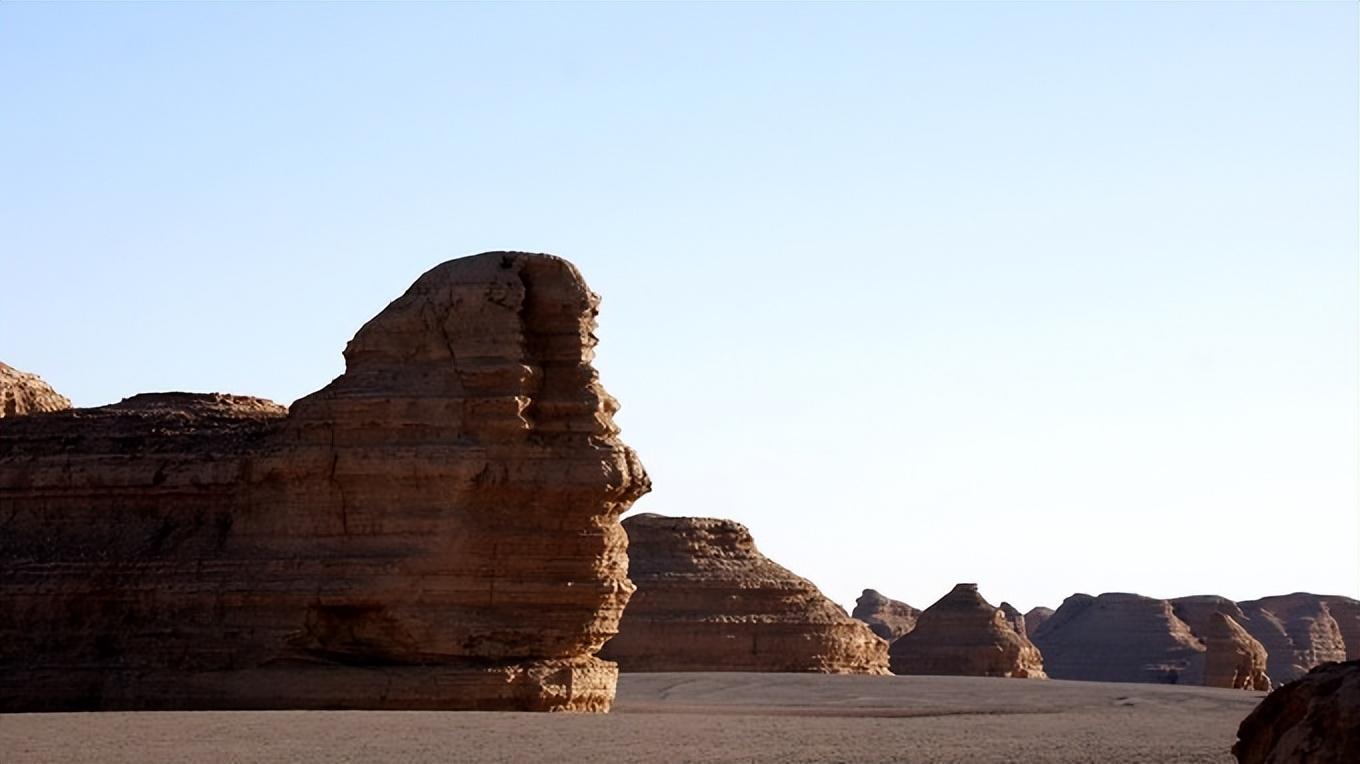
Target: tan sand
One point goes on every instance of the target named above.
(694, 718)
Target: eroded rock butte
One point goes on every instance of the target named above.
(1232, 658)
(708, 600)
(22, 393)
(435, 529)
(887, 617)
(1119, 637)
(963, 634)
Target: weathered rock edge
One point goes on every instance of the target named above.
(436, 529)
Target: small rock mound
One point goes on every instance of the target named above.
(708, 600)
(1313, 719)
(887, 617)
(1035, 617)
(22, 393)
(1232, 658)
(964, 635)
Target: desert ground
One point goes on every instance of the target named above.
(695, 717)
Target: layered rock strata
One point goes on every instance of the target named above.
(22, 393)
(435, 529)
(887, 617)
(1119, 637)
(708, 600)
(1297, 630)
(1312, 719)
(1015, 618)
(963, 634)
(1232, 658)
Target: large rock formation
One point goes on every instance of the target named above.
(23, 393)
(435, 529)
(963, 634)
(708, 600)
(1346, 612)
(888, 618)
(1297, 630)
(1197, 611)
(1119, 638)
(1232, 658)
(1313, 719)
(1035, 617)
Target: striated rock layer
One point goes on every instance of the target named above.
(1297, 630)
(708, 600)
(435, 529)
(1232, 658)
(886, 617)
(963, 634)
(1313, 719)
(1119, 638)
(22, 393)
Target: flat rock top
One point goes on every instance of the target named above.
(693, 717)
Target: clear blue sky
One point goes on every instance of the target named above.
(1050, 297)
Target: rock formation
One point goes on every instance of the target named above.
(707, 600)
(1014, 618)
(437, 528)
(1197, 611)
(1346, 612)
(1232, 658)
(23, 393)
(1313, 719)
(1297, 631)
(1119, 638)
(963, 634)
(1034, 617)
(888, 618)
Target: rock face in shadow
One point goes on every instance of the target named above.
(1313, 719)
(1232, 658)
(1119, 637)
(888, 618)
(708, 600)
(1014, 618)
(437, 528)
(1035, 617)
(22, 393)
(1297, 630)
(964, 635)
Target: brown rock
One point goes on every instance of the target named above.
(435, 529)
(1014, 618)
(1313, 719)
(1197, 611)
(1297, 630)
(1346, 612)
(1119, 638)
(1036, 616)
(963, 634)
(708, 600)
(888, 618)
(22, 393)
(1232, 658)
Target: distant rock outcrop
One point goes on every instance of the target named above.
(1346, 612)
(1015, 618)
(708, 600)
(437, 528)
(1119, 637)
(1313, 719)
(1297, 630)
(1035, 617)
(963, 634)
(22, 393)
(888, 618)
(1232, 658)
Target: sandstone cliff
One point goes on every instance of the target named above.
(1232, 658)
(1313, 719)
(1119, 638)
(1035, 617)
(708, 600)
(435, 529)
(963, 634)
(1297, 631)
(22, 393)
(888, 618)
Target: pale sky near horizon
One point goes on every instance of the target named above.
(1048, 297)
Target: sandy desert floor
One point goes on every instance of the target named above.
(692, 718)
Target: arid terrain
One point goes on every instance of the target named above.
(695, 717)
